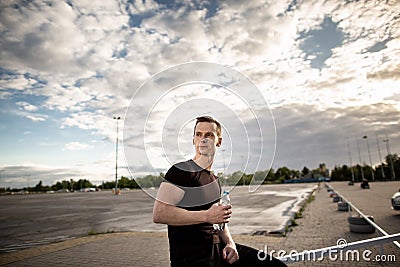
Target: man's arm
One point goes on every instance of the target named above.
(230, 253)
(165, 211)
(171, 215)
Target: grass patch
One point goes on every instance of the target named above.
(94, 232)
(293, 223)
(299, 214)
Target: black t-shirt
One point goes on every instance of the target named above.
(202, 190)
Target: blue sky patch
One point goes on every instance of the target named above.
(318, 43)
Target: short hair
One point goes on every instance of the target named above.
(211, 120)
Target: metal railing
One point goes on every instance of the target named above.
(319, 254)
(353, 207)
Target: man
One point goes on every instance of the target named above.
(188, 203)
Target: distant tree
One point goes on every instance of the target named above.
(125, 182)
(72, 185)
(392, 159)
(149, 181)
(322, 170)
(108, 185)
(305, 171)
(338, 174)
(283, 173)
(39, 186)
(295, 174)
(271, 175)
(260, 176)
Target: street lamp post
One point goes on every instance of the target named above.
(370, 160)
(390, 158)
(359, 156)
(27, 183)
(0, 179)
(380, 157)
(351, 163)
(116, 158)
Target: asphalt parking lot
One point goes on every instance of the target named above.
(31, 220)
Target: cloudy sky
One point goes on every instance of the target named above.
(329, 72)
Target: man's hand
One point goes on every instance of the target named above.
(219, 213)
(230, 254)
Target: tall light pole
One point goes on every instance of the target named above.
(351, 164)
(359, 156)
(116, 158)
(390, 158)
(380, 157)
(0, 179)
(370, 160)
(27, 183)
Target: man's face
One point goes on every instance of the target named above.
(205, 138)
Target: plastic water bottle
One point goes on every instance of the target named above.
(225, 200)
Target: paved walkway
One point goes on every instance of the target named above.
(321, 226)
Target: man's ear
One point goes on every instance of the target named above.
(219, 142)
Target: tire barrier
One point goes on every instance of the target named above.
(360, 225)
(336, 198)
(343, 206)
(364, 185)
(333, 194)
(359, 220)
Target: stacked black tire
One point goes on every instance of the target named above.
(336, 198)
(360, 225)
(342, 206)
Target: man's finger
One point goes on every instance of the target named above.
(227, 207)
(231, 258)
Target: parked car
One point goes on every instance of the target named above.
(396, 201)
(364, 184)
(88, 189)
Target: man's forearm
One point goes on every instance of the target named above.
(171, 215)
(226, 236)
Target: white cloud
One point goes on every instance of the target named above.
(85, 65)
(35, 117)
(41, 38)
(26, 106)
(75, 146)
(15, 82)
(27, 173)
(66, 97)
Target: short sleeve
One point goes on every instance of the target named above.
(177, 176)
